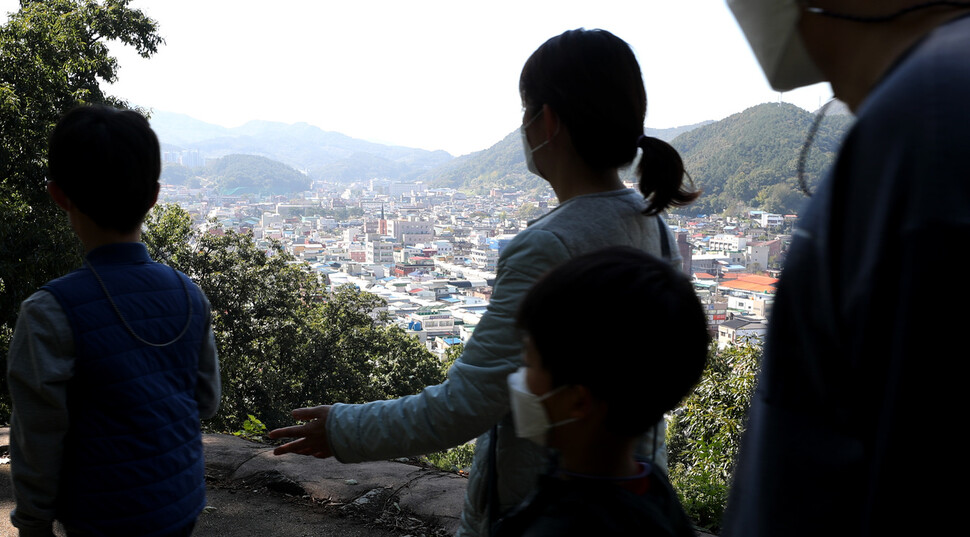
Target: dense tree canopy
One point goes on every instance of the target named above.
(53, 57)
(704, 433)
(283, 342)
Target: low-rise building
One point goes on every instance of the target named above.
(741, 330)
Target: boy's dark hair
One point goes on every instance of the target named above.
(107, 161)
(624, 324)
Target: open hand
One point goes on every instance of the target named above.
(311, 436)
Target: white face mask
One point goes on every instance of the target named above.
(530, 417)
(771, 27)
(530, 163)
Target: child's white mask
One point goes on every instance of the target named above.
(530, 162)
(528, 413)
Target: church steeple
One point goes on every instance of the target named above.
(382, 223)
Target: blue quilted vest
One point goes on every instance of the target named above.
(133, 463)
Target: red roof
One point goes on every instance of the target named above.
(749, 286)
(751, 278)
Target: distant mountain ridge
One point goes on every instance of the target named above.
(669, 134)
(503, 165)
(749, 158)
(746, 160)
(323, 154)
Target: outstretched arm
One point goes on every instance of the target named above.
(474, 397)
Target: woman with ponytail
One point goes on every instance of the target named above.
(584, 108)
(585, 105)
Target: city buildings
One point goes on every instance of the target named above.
(432, 253)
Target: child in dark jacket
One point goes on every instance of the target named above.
(111, 366)
(613, 340)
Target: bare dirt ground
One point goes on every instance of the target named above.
(266, 503)
(261, 512)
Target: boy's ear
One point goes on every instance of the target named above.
(550, 122)
(59, 197)
(158, 188)
(582, 403)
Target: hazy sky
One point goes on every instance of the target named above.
(429, 74)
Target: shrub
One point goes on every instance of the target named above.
(457, 459)
(704, 434)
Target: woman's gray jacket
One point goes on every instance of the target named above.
(475, 395)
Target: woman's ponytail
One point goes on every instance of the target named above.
(661, 172)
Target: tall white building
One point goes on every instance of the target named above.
(485, 258)
(768, 220)
(726, 243)
(411, 232)
(378, 252)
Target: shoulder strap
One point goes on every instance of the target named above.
(492, 484)
(664, 239)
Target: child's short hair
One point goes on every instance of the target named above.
(625, 325)
(107, 161)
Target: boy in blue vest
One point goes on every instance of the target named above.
(111, 366)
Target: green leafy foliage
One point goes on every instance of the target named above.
(258, 301)
(252, 429)
(451, 355)
(457, 459)
(361, 357)
(53, 57)
(283, 343)
(704, 434)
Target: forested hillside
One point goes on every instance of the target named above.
(252, 174)
(503, 166)
(748, 160)
(751, 158)
(499, 166)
